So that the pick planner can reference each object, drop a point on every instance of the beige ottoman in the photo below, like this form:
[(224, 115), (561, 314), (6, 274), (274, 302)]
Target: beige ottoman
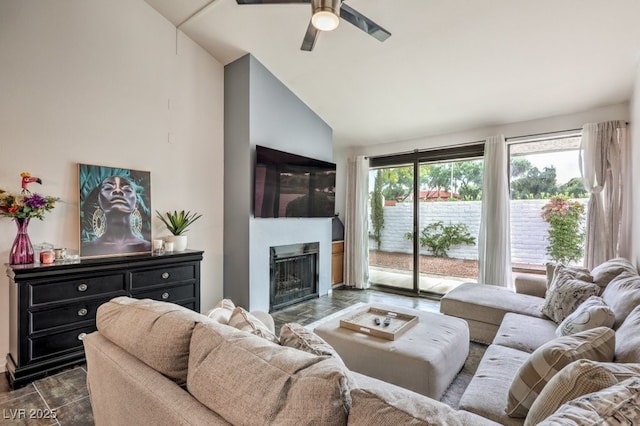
[(425, 359)]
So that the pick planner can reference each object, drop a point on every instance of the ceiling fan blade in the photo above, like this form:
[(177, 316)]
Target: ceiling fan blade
[(309, 38), (271, 1), (354, 17)]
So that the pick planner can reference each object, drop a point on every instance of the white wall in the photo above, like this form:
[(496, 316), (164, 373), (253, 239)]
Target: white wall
[(91, 82), (545, 125), (529, 232)]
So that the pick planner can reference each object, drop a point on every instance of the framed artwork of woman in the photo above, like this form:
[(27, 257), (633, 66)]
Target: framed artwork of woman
[(115, 211)]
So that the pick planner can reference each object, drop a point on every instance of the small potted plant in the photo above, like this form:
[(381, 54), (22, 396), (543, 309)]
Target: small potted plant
[(177, 223)]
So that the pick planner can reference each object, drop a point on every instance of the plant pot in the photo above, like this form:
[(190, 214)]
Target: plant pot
[(179, 242)]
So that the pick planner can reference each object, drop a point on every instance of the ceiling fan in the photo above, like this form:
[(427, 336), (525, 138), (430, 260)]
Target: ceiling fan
[(325, 16)]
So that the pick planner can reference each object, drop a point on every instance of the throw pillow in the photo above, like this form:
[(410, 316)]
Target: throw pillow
[(243, 320), (226, 304), (575, 380), (567, 293), (622, 295), (296, 336), (607, 271), (220, 315), (596, 344), (592, 313), (615, 405), (628, 338)]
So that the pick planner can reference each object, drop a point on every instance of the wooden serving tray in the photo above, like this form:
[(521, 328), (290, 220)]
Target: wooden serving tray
[(364, 322)]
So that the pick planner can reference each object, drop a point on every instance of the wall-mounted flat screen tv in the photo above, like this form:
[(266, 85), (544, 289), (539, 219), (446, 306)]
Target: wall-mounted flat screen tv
[(290, 185)]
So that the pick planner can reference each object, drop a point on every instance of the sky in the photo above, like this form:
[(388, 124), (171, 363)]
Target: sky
[(566, 163)]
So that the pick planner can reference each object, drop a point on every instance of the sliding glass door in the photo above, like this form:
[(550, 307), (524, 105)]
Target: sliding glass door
[(424, 216), (391, 218)]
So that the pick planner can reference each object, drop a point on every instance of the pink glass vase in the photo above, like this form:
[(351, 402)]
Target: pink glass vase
[(22, 251)]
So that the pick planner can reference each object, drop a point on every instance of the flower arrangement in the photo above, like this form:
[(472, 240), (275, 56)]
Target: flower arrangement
[(25, 204), (566, 236)]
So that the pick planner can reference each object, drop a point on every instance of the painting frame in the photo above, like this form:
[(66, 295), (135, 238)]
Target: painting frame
[(114, 211)]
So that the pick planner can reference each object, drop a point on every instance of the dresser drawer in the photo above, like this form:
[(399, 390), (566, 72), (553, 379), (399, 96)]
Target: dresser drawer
[(170, 294), (81, 287), (54, 344), (66, 315), (160, 276)]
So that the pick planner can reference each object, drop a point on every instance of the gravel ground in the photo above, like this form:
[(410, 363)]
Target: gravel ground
[(428, 264)]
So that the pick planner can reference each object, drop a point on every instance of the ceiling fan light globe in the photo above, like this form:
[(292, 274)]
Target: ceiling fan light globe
[(325, 20)]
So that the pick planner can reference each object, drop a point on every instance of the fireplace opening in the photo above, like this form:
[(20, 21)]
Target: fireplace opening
[(294, 274)]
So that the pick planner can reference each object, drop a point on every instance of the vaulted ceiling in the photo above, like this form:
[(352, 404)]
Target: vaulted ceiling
[(450, 65)]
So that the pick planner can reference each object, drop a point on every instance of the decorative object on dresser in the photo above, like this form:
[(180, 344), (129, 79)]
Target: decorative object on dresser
[(115, 211), (178, 224), (53, 306), (21, 208)]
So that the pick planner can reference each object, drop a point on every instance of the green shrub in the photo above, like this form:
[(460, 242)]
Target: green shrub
[(566, 236), (377, 211), (439, 238)]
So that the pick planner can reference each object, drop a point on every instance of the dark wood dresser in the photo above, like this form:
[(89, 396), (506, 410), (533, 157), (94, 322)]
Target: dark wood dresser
[(53, 306)]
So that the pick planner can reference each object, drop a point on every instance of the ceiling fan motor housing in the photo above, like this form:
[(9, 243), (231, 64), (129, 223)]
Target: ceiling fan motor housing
[(325, 7)]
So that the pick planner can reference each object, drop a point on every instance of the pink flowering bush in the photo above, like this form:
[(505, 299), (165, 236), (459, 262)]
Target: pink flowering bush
[(566, 235)]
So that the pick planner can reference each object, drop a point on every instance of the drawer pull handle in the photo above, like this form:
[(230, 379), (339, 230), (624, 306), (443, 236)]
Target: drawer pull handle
[(165, 296), (82, 312), (165, 275), (81, 336), (83, 287)]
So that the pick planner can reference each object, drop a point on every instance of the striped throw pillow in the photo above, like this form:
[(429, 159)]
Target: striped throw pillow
[(575, 380), (615, 405), (597, 344), (243, 320)]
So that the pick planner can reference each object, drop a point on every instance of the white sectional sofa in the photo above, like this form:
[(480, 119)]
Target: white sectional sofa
[(520, 332)]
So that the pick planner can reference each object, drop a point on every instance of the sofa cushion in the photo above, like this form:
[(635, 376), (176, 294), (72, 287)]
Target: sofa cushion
[(622, 295), (615, 405), (607, 271), (524, 333), (628, 338), (249, 380), (592, 313), (567, 293), (296, 336), (161, 335), (243, 320), (488, 303), (380, 403), (575, 380), (596, 344), (488, 390)]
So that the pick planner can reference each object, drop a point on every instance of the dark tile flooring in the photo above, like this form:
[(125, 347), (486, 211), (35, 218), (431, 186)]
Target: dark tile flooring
[(62, 399)]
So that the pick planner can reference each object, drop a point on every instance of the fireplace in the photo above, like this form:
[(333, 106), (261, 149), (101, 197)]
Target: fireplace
[(294, 274)]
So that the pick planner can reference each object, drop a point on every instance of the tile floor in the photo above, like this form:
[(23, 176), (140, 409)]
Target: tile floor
[(64, 395)]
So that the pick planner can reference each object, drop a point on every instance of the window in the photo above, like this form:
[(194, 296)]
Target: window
[(543, 170)]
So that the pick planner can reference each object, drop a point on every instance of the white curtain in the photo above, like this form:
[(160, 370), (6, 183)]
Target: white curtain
[(605, 168), (356, 224), (494, 240)]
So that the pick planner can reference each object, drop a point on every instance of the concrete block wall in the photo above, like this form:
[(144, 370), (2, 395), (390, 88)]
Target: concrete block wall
[(528, 229)]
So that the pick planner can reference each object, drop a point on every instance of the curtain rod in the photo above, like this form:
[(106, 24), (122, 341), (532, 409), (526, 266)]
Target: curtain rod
[(523, 137)]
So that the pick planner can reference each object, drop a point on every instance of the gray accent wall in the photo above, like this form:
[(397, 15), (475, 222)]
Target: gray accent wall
[(260, 110)]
